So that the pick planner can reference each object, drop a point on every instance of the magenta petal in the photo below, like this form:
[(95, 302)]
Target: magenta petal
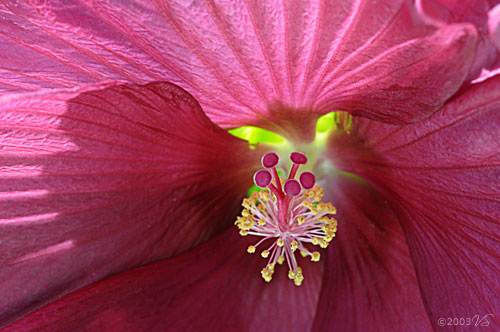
[(442, 178), (476, 12), (455, 11), (246, 63), (100, 179), (214, 287), (494, 25), (369, 281)]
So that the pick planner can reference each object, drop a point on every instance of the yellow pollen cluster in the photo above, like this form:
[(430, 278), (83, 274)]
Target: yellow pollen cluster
[(316, 193), (244, 224), (267, 272), (315, 256), (320, 242), (314, 219), (330, 229), (297, 277), (281, 260), (326, 207)]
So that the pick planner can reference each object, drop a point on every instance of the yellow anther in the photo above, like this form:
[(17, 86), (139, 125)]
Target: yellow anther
[(329, 238), (245, 213), (331, 209), (324, 244), (262, 222), (327, 207), (329, 232), (315, 256), (265, 253), (315, 240), (264, 196), (243, 232), (247, 203), (307, 204), (320, 207), (298, 278), (280, 243), (303, 253), (332, 222), (324, 219), (267, 272), (244, 223), (251, 249), (261, 208), (316, 193), (310, 206), (281, 259), (301, 220), (294, 245), (291, 274)]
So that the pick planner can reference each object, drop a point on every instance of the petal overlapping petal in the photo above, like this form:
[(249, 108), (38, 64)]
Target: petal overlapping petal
[(472, 11), (369, 281), (214, 287), (100, 179), (453, 11), (246, 62), (442, 178)]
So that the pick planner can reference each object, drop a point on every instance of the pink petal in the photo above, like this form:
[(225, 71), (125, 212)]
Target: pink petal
[(454, 11), (494, 25), (214, 287), (470, 11), (442, 178), (369, 282), (246, 63), (101, 179)]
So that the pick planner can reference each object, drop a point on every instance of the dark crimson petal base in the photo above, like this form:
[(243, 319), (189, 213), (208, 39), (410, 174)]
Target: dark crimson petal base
[(97, 180), (442, 178), (369, 281), (214, 287)]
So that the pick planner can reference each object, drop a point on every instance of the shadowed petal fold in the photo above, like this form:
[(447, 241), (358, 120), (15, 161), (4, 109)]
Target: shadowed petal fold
[(104, 178), (442, 177), (369, 281), (214, 287), (246, 62)]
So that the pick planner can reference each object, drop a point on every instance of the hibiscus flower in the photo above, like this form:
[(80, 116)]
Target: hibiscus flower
[(118, 198)]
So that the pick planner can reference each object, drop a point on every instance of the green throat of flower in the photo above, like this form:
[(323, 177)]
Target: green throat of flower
[(325, 125)]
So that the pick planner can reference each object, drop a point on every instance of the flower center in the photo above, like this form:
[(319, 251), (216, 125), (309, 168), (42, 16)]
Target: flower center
[(289, 213)]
